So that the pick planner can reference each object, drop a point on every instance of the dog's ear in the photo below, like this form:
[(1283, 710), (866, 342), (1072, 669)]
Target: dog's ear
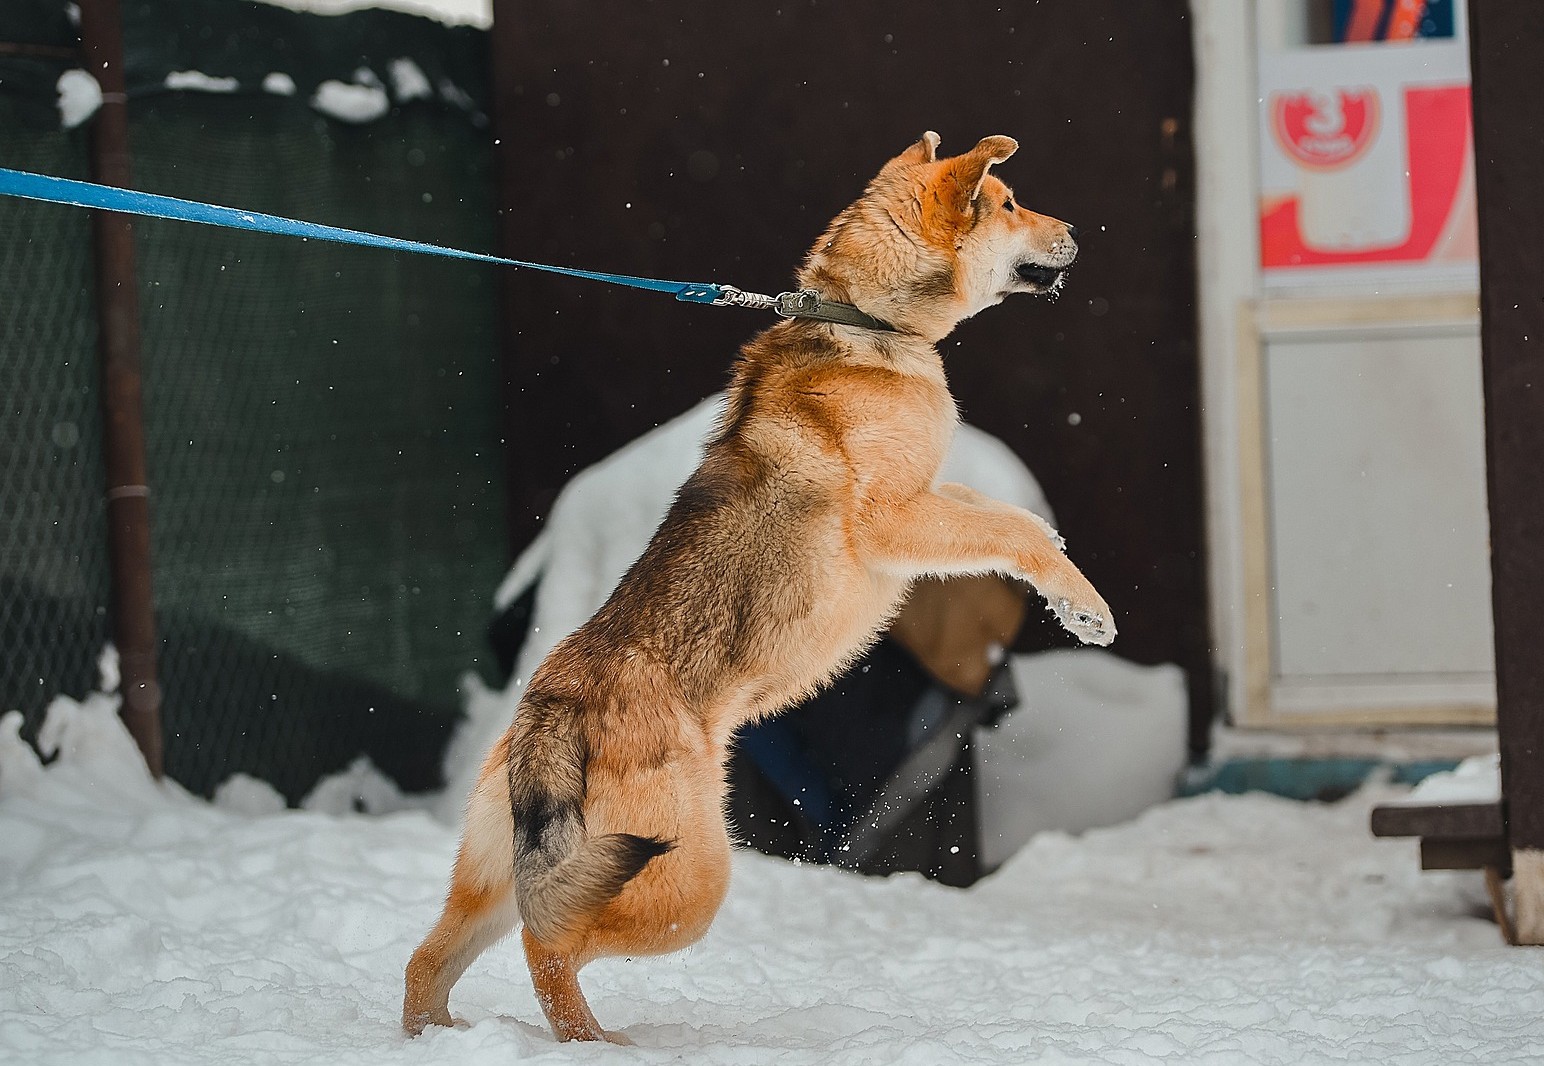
[(969, 170), (924, 151)]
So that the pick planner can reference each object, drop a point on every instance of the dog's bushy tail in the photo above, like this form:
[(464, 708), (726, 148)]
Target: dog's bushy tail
[(563, 876)]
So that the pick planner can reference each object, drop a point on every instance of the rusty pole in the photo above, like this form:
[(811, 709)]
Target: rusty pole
[(123, 432)]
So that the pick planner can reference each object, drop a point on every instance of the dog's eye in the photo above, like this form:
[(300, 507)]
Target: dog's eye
[(1008, 205)]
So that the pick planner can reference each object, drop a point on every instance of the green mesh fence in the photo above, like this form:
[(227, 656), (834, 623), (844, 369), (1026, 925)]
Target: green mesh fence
[(322, 437), (53, 554)]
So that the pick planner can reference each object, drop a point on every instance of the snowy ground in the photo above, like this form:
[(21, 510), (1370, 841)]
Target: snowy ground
[(139, 925)]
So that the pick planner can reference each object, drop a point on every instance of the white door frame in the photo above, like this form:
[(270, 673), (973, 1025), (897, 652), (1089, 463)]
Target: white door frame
[(1232, 313)]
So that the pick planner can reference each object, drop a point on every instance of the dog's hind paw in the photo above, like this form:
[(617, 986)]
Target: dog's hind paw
[(590, 1032), (415, 1022)]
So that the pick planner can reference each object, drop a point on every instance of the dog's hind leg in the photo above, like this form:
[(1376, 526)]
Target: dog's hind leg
[(479, 908), (556, 979)]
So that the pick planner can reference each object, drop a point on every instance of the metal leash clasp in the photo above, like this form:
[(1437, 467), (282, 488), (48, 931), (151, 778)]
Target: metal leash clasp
[(729, 296), (795, 304)]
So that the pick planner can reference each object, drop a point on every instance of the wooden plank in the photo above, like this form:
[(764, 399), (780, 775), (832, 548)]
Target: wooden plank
[(1453, 821), (1497, 893), (1465, 854), (1283, 317), (1507, 39)]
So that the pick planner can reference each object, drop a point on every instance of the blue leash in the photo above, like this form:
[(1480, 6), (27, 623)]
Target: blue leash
[(30, 186), (806, 303)]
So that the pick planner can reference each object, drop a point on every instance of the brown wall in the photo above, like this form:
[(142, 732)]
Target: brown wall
[(713, 142)]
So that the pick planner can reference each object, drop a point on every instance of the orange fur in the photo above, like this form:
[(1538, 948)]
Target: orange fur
[(600, 812)]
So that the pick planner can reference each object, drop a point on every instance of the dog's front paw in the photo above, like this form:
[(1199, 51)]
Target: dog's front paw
[(1090, 623)]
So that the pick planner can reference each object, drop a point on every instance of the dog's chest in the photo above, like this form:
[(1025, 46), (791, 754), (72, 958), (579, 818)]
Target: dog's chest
[(899, 453)]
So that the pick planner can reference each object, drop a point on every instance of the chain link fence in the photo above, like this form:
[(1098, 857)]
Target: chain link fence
[(322, 433), (53, 548)]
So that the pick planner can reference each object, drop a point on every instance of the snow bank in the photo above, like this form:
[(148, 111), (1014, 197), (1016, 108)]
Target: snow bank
[(140, 925)]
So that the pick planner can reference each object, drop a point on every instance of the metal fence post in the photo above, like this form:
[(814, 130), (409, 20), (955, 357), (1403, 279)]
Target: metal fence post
[(123, 437)]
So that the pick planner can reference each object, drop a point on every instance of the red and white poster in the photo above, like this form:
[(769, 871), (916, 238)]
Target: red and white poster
[(1367, 166)]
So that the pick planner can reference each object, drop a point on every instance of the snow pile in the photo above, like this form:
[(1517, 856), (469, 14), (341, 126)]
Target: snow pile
[(199, 82), (360, 788), (360, 96), (79, 97), (408, 81), (1475, 780), (351, 102), (450, 12), (143, 926), (1096, 741), (278, 83)]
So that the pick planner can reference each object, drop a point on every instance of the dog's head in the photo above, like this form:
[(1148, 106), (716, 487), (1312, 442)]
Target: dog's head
[(932, 241)]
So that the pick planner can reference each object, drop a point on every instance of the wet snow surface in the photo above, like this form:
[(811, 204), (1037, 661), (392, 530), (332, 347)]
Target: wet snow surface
[(139, 925)]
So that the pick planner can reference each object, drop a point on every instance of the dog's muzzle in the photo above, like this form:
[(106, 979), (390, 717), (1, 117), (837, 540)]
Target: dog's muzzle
[(1035, 274)]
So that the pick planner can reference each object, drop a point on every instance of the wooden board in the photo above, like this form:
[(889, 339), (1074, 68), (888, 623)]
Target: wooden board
[(1506, 41), (1466, 854), (1442, 821)]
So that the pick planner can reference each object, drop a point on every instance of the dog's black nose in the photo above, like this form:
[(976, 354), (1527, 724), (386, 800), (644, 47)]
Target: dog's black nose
[(1072, 231)]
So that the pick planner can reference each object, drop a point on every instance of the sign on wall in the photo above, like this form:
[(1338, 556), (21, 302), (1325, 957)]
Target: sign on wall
[(1366, 166)]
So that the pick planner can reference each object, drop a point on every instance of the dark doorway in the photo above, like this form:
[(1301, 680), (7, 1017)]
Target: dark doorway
[(712, 143)]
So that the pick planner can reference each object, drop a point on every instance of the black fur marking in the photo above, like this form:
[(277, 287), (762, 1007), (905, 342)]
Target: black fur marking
[(550, 796), (534, 814), (636, 852), (741, 400), (703, 493), (940, 283)]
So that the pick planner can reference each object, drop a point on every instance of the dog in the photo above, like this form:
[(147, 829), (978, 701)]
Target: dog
[(598, 817)]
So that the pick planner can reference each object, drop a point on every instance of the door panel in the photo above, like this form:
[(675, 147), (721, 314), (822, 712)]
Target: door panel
[(1377, 499)]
